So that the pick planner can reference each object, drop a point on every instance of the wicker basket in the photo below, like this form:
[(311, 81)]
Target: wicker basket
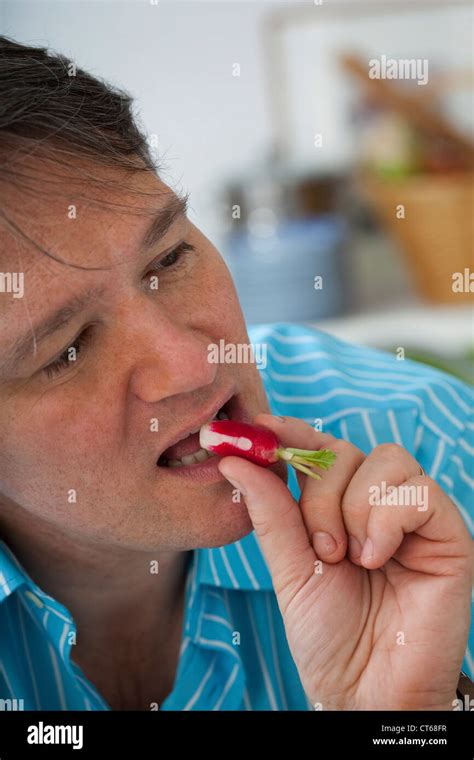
[(436, 235)]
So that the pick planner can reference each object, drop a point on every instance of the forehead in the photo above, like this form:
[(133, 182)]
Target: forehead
[(77, 213)]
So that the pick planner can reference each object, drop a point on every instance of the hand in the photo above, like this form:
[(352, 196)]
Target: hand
[(375, 599)]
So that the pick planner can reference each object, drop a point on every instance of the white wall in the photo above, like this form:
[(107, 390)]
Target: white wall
[(176, 59)]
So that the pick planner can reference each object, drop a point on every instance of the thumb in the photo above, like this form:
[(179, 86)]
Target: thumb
[(278, 523)]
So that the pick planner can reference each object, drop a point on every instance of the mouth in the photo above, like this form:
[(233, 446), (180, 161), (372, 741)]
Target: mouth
[(186, 451)]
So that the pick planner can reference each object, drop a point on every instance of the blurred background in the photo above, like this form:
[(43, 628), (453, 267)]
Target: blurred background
[(339, 193)]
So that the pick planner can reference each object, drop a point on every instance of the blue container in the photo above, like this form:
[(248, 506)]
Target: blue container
[(275, 275)]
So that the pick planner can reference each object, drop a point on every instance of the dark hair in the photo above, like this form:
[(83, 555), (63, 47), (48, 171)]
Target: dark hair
[(45, 97), (54, 111)]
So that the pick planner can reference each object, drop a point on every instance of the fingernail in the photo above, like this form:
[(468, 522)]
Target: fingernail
[(368, 550), (323, 543), (355, 549)]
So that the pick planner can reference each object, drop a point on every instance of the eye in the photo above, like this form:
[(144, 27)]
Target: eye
[(174, 259), (68, 356)]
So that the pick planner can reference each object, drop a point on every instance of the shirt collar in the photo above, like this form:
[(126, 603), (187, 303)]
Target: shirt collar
[(212, 574), (238, 566), (12, 574)]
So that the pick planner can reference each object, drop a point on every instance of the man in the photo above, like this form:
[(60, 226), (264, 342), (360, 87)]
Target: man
[(132, 579)]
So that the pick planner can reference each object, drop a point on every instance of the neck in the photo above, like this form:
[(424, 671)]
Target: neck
[(128, 617), (113, 594)]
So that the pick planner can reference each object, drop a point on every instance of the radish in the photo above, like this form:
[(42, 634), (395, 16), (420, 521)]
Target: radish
[(259, 445)]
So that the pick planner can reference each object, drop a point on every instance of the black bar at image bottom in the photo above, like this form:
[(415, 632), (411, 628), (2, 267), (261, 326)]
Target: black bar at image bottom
[(60, 734)]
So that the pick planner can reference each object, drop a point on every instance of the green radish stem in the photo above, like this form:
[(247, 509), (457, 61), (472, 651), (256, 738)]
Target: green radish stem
[(302, 459), (306, 470)]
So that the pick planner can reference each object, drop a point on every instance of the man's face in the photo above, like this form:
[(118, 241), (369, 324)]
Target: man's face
[(79, 442)]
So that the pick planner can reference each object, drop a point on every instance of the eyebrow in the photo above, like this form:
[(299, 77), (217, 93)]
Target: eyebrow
[(163, 220), (28, 342)]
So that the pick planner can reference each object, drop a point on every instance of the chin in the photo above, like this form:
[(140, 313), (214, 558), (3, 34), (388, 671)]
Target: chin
[(216, 528), (228, 522)]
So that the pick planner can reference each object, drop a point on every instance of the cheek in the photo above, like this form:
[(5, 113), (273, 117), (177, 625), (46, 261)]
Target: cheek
[(222, 303), (52, 441)]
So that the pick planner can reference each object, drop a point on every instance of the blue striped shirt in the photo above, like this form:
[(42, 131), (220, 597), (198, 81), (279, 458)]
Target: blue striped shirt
[(234, 653)]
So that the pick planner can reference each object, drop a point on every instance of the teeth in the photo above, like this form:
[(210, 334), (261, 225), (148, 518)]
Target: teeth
[(219, 416), (188, 459), (197, 456), (200, 455)]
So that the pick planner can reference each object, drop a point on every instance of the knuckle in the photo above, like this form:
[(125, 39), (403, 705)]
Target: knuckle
[(467, 543), (435, 490), (264, 526), (342, 447), (352, 507), (324, 502), (389, 451)]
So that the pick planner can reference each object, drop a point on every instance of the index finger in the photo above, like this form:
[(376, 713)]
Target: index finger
[(295, 432), (320, 500)]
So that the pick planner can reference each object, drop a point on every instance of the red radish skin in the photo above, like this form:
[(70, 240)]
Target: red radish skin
[(228, 438), (260, 446)]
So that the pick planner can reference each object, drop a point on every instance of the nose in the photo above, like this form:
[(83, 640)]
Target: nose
[(172, 359)]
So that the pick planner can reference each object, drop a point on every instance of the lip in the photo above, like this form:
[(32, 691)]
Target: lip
[(205, 416), (206, 472)]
